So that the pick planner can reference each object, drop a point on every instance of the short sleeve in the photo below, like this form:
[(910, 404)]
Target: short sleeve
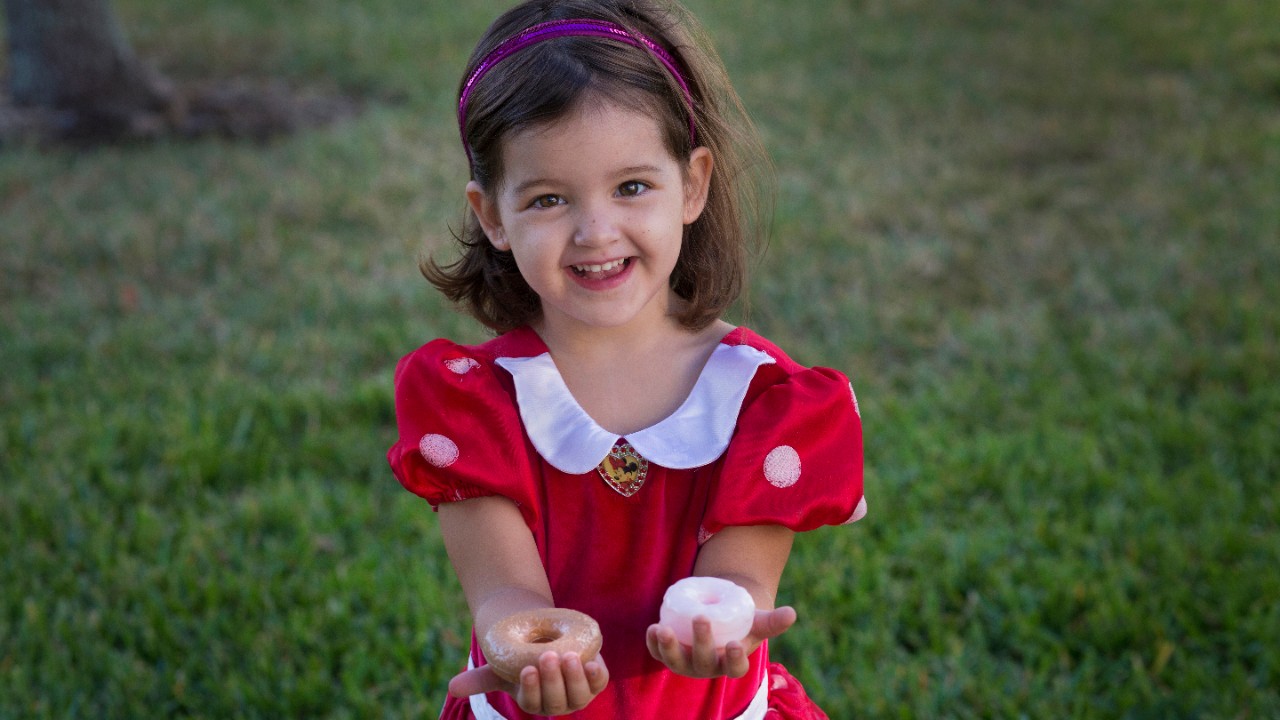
[(795, 459), (460, 435)]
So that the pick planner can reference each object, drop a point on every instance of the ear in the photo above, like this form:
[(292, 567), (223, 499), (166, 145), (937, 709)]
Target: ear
[(486, 212), (697, 183)]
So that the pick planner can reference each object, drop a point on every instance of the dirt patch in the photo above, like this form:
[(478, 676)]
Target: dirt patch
[(238, 108)]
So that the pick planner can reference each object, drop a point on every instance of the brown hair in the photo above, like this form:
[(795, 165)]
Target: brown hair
[(547, 81)]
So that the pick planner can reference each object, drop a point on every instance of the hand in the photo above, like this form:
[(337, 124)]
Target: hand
[(557, 685), (704, 659)]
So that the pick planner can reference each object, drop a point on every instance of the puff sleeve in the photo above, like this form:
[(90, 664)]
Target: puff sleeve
[(460, 435), (795, 458)]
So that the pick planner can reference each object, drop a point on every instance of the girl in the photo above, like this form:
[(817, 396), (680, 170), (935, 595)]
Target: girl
[(617, 435)]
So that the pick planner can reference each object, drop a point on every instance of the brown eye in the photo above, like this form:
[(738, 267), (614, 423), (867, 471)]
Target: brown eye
[(547, 201), (632, 188)]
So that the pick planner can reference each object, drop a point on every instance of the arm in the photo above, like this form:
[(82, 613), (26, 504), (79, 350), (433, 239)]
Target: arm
[(753, 557), (501, 573)]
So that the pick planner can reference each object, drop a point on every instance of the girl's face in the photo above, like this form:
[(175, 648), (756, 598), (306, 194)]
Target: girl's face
[(593, 208)]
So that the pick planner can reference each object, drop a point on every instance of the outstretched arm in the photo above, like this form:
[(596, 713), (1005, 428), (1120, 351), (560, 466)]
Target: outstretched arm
[(501, 573), (753, 557)]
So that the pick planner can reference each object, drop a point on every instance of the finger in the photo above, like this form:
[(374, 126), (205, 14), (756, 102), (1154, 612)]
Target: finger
[(651, 642), (529, 694), (476, 681), (668, 650), (735, 660), (554, 699), (577, 688), (597, 675), (704, 647)]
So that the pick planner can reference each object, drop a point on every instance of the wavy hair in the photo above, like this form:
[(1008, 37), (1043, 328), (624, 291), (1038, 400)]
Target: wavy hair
[(546, 82)]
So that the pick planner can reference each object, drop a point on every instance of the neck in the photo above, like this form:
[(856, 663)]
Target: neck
[(606, 344), (654, 369), (567, 338)]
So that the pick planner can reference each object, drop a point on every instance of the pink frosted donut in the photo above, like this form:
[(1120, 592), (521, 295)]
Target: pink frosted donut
[(518, 640), (729, 607)]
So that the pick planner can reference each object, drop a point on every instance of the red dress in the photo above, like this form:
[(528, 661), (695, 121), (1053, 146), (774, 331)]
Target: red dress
[(760, 440)]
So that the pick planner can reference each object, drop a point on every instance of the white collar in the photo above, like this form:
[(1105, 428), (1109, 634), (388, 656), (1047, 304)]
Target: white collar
[(694, 435)]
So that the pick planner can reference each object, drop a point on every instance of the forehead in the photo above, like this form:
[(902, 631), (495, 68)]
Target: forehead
[(593, 138)]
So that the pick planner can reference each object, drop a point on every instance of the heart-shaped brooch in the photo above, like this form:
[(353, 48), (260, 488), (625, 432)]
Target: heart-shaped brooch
[(624, 469)]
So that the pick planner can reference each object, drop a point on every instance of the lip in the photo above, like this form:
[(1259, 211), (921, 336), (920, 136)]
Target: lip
[(593, 279)]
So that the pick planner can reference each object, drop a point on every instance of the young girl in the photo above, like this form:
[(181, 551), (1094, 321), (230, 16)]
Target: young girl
[(617, 435)]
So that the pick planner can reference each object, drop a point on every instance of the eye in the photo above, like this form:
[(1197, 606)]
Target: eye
[(546, 201), (631, 188)]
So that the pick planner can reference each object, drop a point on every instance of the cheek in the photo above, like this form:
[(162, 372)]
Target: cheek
[(534, 259), (669, 230)]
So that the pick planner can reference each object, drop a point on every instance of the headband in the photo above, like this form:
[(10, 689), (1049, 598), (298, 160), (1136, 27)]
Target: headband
[(568, 28)]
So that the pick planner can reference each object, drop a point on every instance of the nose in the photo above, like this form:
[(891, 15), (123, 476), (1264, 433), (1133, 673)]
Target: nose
[(596, 225)]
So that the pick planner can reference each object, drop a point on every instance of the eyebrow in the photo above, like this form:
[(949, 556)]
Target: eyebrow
[(525, 186), (639, 169)]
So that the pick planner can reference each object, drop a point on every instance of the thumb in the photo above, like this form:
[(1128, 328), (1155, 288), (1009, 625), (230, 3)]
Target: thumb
[(769, 624), (476, 681)]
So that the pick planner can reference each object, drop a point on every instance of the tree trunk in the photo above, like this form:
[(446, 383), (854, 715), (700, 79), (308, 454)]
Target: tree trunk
[(71, 57)]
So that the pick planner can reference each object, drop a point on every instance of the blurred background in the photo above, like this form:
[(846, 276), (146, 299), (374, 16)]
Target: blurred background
[(1042, 237)]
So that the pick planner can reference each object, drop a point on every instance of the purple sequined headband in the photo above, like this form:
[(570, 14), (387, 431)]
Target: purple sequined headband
[(568, 28)]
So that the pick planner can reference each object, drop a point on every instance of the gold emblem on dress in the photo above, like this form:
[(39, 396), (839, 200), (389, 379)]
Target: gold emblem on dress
[(624, 469)]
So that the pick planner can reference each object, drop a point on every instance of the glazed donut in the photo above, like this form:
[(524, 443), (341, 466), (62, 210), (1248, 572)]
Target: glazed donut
[(728, 606), (519, 639)]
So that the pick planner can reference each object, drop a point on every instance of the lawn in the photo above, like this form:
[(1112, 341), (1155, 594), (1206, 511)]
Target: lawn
[(1043, 238)]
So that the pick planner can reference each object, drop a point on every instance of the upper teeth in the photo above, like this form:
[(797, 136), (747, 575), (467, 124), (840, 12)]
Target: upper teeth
[(599, 268)]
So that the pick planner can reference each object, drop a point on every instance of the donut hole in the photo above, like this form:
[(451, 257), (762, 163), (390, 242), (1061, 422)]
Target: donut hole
[(708, 598), (542, 637)]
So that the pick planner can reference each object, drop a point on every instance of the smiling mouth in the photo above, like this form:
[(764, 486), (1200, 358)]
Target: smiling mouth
[(600, 272)]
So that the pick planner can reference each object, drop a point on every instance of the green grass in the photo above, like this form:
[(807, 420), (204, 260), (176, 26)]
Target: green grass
[(1044, 238)]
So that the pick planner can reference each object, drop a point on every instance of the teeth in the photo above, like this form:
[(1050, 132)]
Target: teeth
[(599, 268)]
